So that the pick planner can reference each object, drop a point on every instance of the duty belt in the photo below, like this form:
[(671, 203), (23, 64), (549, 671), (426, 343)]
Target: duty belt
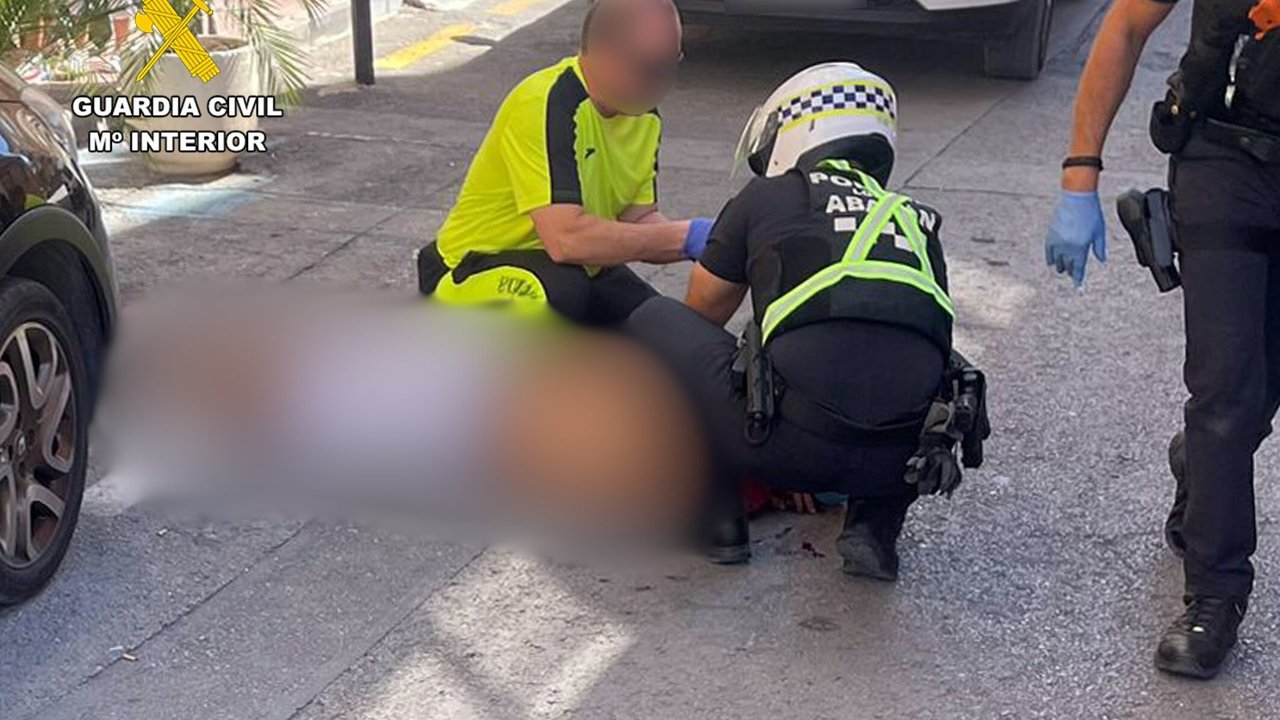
[(1260, 145)]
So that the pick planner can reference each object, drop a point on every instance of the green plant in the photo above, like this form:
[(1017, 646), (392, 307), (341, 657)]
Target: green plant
[(67, 27), (53, 27)]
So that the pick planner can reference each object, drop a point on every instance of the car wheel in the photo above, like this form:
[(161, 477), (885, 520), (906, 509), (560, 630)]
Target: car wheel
[(43, 436), (1022, 55)]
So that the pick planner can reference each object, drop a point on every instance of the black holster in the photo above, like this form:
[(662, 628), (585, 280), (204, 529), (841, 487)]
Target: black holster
[(1147, 218), (1171, 124), (754, 372), (968, 387)]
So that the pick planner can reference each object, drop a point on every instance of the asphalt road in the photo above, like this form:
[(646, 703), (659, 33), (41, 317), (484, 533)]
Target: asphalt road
[(1037, 592)]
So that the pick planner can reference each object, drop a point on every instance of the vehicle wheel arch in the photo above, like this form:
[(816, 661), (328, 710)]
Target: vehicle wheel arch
[(51, 246)]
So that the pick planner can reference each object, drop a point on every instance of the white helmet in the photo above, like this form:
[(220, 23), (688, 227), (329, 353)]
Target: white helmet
[(836, 108)]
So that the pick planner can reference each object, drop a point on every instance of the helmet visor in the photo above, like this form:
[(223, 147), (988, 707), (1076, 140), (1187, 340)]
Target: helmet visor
[(758, 134)]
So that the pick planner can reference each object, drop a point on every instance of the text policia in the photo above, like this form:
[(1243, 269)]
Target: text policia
[(143, 107)]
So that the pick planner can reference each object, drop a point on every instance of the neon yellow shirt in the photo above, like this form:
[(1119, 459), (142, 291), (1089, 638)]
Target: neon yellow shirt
[(549, 144)]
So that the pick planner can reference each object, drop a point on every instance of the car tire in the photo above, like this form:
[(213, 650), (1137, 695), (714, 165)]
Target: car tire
[(1022, 55), (43, 436)]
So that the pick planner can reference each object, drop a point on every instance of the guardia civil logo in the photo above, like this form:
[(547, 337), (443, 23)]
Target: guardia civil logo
[(159, 15)]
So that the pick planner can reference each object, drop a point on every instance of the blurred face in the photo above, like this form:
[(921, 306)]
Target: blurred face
[(632, 72)]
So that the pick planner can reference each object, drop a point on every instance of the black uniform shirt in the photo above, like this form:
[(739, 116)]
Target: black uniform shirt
[(870, 372), (1217, 28), (765, 213)]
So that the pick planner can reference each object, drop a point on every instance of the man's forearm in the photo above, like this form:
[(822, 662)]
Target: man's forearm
[(717, 310), (713, 298), (1106, 80), (591, 240), (646, 214)]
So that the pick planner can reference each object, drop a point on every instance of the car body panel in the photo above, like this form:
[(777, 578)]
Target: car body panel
[(946, 5), (11, 85), (45, 196), (49, 223), (948, 19), (830, 10)]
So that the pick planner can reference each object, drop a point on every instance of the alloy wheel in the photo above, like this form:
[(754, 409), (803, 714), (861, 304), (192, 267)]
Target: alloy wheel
[(38, 426)]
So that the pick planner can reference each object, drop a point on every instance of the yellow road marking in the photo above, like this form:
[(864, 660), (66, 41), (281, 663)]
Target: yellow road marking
[(410, 54), (512, 7)]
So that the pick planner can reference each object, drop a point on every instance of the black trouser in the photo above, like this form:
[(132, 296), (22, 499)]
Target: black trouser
[(1227, 219), (792, 458), (606, 298)]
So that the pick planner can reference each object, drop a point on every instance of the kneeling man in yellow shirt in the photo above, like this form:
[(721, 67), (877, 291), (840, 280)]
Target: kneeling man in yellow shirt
[(563, 190)]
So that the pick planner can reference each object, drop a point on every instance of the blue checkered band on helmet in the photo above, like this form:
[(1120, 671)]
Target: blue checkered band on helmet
[(847, 96)]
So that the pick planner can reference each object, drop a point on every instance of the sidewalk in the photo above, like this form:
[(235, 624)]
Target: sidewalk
[(338, 198), (1035, 593)]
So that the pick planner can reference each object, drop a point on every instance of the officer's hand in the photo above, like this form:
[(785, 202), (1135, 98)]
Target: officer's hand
[(1077, 227), (695, 241), (934, 469)]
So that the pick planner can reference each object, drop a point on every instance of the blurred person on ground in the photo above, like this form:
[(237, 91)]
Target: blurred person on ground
[(563, 190), (837, 386), (1220, 124), (246, 401)]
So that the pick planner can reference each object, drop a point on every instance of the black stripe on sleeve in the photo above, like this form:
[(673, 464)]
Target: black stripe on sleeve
[(562, 132), (655, 178), (656, 152)]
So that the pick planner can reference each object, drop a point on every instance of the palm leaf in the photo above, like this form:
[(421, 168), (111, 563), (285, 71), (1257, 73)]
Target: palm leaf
[(65, 25), (282, 61)]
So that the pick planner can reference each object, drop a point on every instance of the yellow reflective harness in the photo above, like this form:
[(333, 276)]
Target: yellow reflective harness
[(854, 263)]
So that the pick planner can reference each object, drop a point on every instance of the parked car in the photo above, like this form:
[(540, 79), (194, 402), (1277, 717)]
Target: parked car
[(1014, 33), (57, 309)]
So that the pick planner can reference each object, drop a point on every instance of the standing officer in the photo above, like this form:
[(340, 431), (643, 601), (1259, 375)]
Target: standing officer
[(563, 190), (1223, 133), (851, 333)]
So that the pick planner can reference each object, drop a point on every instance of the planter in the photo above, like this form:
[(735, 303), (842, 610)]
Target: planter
[(237, 76), (121, 27), (34, 39)]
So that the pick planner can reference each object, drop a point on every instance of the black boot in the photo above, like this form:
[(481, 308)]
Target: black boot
[(1197, 643), (1178, 467), (869, 541), (725, 537), (729, 542)]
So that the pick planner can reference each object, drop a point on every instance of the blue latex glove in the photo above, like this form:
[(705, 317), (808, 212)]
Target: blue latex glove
[(695, 241), (1077, 226)]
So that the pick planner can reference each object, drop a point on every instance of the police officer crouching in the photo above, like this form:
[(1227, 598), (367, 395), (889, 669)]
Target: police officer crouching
[(845, 380), (1220, 122)]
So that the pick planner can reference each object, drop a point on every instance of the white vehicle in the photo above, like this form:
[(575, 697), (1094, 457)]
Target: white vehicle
[(1014, 33)]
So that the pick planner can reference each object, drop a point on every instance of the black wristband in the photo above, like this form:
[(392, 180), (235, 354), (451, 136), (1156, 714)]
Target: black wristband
[(1092, 161)]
